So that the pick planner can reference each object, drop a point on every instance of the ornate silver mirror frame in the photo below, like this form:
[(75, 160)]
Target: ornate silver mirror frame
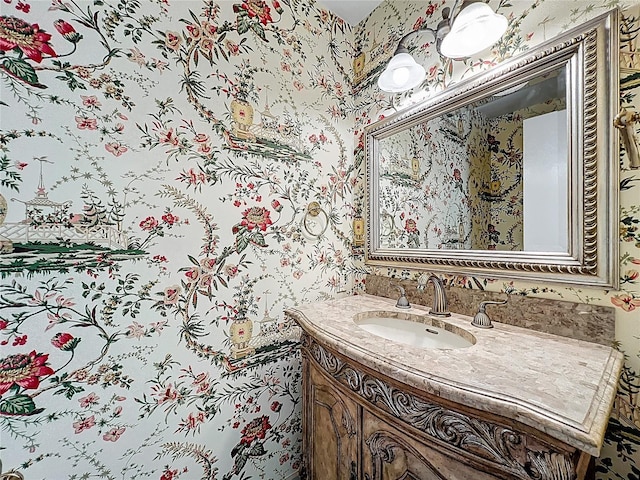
[(589, 55)]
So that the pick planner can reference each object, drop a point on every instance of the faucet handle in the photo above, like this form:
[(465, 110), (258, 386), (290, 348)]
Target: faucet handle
[(402, 301), (481, 319), (399, 287)]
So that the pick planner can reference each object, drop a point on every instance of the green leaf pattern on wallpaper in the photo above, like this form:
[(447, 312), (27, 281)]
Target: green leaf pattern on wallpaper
[(158, 160)]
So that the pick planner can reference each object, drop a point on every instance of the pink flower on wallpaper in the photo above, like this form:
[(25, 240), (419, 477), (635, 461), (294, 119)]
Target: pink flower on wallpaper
[(159, 65), (205, 148), (65, 341), (16, 34), (135, 330), (91, 399), (169, 474), (23, 370), (148, 224), (256, 429), (231, 270), (168, 137), (166, 394), (67, 31), (113, 434), (136, 56), (195, 32), (257, 8), (24, 7), (276, 205), (192, 177), (258, 217), (630, 276), (169, 218), (64, 302), (90, 101), (627, 302), (410, 226), (192, 274), (201, 138), (84, 424), (172, 40), (193, 421), (158, 326), (172, 294), (86, 123), (233, 47), (115, 148), (208, 263)]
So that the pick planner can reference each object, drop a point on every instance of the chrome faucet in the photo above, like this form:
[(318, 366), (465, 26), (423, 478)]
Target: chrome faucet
[(481, 319), (402, 301), (440, 307)]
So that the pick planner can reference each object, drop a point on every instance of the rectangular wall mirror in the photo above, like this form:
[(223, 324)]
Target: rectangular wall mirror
[(513, 173)]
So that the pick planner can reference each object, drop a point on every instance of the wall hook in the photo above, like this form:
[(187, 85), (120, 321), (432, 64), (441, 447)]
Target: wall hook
[(624, 121), (312, 218)]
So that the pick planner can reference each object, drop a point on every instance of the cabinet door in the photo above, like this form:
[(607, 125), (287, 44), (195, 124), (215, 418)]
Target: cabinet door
[(391, 454), (331, 430)]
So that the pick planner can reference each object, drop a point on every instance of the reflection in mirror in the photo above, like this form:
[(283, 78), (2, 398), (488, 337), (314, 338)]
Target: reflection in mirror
[(512, 173), (489, 175)]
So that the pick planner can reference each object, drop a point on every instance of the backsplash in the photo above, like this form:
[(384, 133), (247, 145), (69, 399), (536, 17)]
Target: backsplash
[(591, 323)]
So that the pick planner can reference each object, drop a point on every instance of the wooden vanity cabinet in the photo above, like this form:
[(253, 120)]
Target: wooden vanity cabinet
[(358, 425)]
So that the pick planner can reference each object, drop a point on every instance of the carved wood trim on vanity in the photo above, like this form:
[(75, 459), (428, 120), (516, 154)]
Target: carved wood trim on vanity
[(489, 443)]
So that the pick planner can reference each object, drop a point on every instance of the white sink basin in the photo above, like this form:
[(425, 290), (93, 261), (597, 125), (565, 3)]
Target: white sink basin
[(416, 330)]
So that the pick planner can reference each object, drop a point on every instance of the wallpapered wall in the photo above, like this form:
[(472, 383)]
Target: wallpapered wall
[(158, 158), (531, 23)]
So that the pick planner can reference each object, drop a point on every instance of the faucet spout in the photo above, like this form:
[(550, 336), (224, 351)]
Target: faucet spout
[(440, 307)]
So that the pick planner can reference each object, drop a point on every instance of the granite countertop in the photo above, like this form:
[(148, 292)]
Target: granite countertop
[(562, 386)]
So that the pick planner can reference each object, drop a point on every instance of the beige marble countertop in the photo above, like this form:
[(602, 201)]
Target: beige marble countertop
[(558, 385)]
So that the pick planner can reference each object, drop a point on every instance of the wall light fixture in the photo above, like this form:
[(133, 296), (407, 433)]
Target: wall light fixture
[(475, 27)]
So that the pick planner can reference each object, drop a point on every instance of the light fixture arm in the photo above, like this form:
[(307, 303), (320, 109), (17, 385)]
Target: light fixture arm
[(438, 33)]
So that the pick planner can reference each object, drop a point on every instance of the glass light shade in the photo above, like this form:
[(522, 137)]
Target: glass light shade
[(402, 74), (475, 28)]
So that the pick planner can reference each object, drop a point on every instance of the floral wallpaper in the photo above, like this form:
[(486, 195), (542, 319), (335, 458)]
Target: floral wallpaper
[(174, 174), (424, 184)]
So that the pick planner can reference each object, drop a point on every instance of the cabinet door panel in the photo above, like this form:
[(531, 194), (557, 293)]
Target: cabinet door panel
[(391, 454), (333, 440)]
